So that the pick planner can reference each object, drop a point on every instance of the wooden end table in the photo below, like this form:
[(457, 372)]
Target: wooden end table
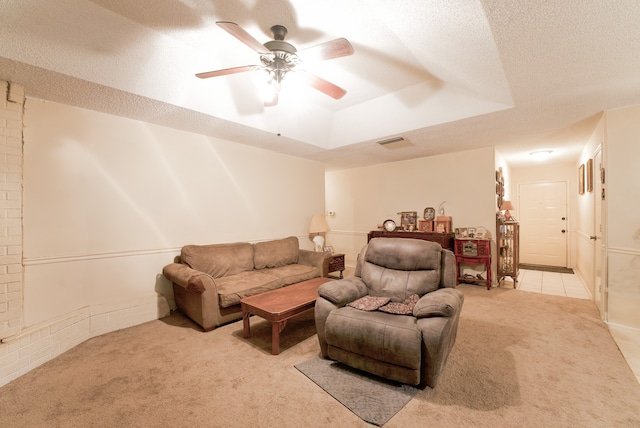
[(334, 263), (277, 306)]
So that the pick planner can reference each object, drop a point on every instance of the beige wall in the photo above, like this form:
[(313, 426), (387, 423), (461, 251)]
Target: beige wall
[(108, 201), (363, 198), (622, 186)]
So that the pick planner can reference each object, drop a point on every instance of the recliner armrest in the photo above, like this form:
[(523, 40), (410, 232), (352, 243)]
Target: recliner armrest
[(343, 291), (443, 302)]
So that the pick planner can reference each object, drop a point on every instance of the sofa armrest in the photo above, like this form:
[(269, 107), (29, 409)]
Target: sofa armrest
[(312, 258), (186, 277), (443, 302), (343, 291)]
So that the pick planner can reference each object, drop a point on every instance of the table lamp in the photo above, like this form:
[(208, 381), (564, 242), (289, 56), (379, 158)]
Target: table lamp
[(506, 206), (318, 226)]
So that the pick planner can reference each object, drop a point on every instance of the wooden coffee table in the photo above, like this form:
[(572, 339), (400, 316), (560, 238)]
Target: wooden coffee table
[(277, 306)]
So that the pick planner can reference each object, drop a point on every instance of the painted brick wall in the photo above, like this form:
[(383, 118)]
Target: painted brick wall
[(11, 109), (23, 348)]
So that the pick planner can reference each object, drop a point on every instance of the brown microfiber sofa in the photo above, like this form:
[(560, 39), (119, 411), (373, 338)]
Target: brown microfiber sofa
[(209, 280)]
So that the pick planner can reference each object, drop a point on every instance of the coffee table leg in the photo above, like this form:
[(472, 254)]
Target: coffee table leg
[(276, 329), (246, 327), (275, 338)]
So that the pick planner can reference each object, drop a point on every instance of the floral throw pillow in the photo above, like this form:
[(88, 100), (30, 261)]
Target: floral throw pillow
[(369, 303), (404, 308)]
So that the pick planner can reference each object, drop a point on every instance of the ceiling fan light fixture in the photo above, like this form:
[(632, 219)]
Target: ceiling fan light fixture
[(267, 83)]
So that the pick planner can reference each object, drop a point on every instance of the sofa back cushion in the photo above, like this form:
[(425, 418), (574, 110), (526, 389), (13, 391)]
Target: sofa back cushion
[(280, 252), (400, 267), (219, 260)]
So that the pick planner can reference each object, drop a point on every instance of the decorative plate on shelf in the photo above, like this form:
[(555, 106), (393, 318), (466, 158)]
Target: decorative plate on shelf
[(389, 225), (429, 213)]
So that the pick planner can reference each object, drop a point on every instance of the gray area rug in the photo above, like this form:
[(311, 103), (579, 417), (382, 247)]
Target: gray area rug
[(373, 399), (545, 268)]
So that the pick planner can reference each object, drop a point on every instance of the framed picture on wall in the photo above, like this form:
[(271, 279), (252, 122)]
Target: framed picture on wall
[(581, 179), (590, 175)]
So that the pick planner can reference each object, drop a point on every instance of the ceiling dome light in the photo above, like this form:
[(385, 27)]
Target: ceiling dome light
[(541, 154)]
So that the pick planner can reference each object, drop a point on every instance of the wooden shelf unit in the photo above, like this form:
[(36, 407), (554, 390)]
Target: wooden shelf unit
[(508, 249)]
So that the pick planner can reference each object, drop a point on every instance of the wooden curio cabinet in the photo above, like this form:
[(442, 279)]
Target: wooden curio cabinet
[(508, 249)]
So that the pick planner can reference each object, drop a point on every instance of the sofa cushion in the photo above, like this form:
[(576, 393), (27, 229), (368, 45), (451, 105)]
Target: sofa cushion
[(399, 267), (291, 274), (232, 288), (403, 254), (219, 260), (398, 284), (393, 339), (276, 253)]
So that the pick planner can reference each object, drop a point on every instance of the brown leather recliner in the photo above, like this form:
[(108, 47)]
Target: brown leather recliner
[(409, 348)]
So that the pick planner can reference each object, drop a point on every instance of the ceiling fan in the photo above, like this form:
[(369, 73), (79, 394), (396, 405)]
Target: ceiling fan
[(278, 58)]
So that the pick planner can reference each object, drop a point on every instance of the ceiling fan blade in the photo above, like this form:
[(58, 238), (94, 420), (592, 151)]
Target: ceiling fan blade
[(322, 85), (329, 50), (225, 71), (239, 33)]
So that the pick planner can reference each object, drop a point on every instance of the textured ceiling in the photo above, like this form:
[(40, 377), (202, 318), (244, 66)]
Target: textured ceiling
[(446, 75)]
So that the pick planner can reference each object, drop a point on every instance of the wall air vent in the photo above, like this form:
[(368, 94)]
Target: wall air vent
[(395, 143)]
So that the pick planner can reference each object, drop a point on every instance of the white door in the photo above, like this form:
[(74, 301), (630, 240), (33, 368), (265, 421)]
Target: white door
[(542, 214)]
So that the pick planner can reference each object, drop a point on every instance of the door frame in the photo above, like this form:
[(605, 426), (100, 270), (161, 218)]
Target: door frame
[(599, 247)]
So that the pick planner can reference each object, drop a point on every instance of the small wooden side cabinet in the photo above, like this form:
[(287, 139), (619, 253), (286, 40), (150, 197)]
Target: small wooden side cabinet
[(473, 252), (508, 239), (333, 263)]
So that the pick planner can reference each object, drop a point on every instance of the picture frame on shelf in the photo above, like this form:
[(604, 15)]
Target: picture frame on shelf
[(461, 232), (471, 232)]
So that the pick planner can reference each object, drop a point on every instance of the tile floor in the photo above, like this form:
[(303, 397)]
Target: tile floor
[(570, 285)]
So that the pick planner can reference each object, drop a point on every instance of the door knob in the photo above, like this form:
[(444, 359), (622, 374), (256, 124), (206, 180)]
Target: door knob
[(564, 231), (593, 238), (564, 218)]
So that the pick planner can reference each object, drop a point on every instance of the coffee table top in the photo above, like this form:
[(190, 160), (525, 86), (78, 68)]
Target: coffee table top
[(286, 298)]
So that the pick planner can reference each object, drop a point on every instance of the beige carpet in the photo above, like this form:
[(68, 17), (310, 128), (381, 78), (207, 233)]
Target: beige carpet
[(521, 359)]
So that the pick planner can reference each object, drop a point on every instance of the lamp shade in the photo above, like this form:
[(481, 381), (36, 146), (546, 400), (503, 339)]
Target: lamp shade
[(318, 224), (507, 205)]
